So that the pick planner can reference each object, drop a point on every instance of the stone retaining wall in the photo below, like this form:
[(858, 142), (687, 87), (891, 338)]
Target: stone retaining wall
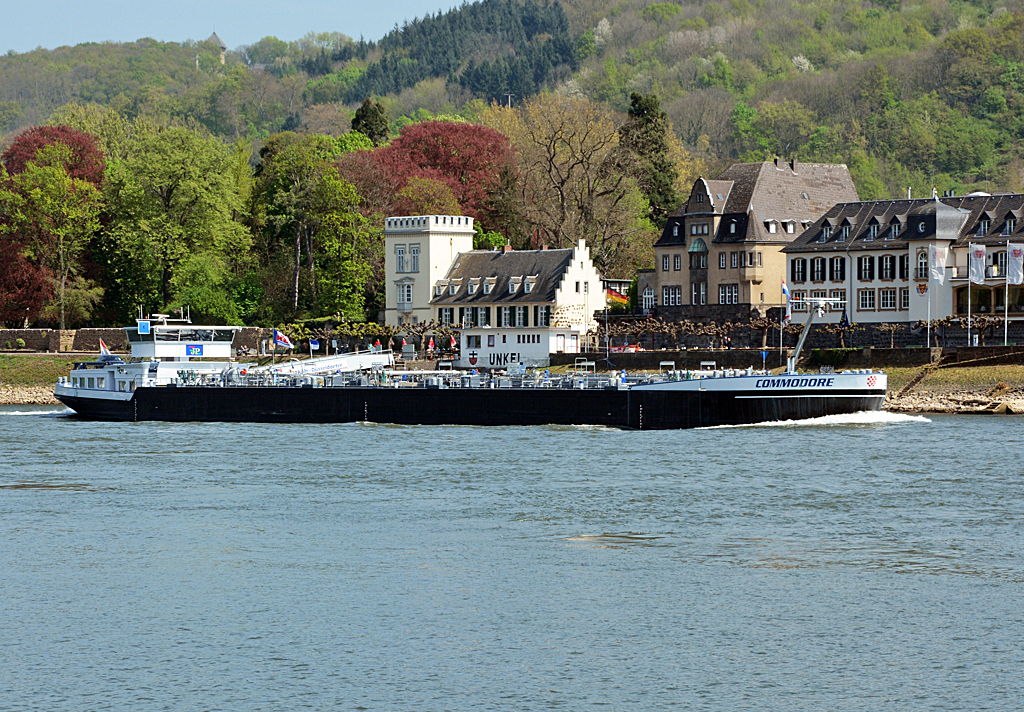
[(860, 336), (651, 360), (88, 340), (840, 358), (35, 339)]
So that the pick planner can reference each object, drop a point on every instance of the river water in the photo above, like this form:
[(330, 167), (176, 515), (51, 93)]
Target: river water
[(856, 563)]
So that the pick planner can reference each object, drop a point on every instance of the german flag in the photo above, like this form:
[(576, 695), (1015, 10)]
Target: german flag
[(616, 298)]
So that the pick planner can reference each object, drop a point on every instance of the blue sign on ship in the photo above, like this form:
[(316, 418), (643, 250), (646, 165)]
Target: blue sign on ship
[(194, 350)]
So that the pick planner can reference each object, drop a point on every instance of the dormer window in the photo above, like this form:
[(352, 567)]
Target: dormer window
[(983, 226), (512, 286), (1009, 226), (675, 231), (771, 226), (471, 287), (872, 232), (844, 233), (894, 231), (790, 227), (732, 227), (826, 232), (438, 289), (528, 285), (453, 288), (488, 284)]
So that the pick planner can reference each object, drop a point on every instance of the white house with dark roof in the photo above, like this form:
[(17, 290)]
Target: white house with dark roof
[(519, 306)]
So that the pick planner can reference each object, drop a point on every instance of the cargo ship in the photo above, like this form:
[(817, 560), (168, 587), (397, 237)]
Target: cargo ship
[(165, 380)]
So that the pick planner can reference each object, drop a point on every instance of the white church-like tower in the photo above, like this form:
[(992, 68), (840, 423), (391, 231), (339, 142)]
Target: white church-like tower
[(418, 251)]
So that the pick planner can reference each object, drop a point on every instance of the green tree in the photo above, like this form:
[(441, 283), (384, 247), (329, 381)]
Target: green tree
[(308, 201), (371, 121), (785, 126), (201, 282), (173, 197), (645, 136), (426, 196)]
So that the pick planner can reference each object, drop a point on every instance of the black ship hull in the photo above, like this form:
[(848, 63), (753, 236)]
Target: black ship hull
[(635, 408)]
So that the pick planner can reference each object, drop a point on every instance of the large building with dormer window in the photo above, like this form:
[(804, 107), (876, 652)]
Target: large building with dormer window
[(720, 255), (874, 257)]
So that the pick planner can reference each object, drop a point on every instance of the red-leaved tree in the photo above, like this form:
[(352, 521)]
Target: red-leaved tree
[(86, 163), (468, 158), (27, 284), (25, 288)]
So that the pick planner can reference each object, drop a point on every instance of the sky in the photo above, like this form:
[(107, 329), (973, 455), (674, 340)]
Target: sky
[(28, 24)]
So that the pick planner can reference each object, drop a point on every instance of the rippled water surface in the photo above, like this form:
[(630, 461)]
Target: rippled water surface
[(860, 563)]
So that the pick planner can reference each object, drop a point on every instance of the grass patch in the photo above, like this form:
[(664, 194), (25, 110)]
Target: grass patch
[(972, 378), (18, 370), (900, 376)]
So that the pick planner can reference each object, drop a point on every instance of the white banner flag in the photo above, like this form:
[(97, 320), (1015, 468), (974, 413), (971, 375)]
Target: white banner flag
[(1015, 263), (977, 263), (938, 262)]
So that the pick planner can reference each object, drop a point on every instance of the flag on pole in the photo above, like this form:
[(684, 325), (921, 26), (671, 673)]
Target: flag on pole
[(453, 342), (1015, 263), (430, 346), (104, 351), (938, 263), (282, 340), (403, 341), (977, 263), (314, 344), (789, 308), (844, 321), (616, 297)]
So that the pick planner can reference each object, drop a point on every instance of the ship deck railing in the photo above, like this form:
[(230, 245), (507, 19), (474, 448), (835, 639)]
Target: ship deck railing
[(380, 378)]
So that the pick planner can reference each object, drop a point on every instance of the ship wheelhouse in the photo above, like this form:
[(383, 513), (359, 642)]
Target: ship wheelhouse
[(180, 342)]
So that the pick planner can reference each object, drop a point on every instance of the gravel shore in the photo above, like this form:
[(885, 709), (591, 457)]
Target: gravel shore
[(957, 401), (27, 395)]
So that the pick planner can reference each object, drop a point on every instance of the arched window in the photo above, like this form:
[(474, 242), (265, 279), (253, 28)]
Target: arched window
[(922, 264)]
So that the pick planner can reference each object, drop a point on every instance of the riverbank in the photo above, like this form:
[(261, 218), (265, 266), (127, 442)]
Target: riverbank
[(956, 389), (27, 395), (27, 379)]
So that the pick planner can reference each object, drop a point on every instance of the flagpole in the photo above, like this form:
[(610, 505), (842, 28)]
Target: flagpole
[(1006, 299), (928, 287), (781, 317), (970, 250)]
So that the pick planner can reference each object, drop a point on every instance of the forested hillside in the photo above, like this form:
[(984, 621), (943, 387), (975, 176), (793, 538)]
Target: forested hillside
[(251, 184), (922, 95)]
